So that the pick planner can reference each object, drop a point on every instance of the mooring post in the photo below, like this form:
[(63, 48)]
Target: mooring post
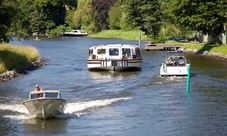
[(140, 41), (188, 78)]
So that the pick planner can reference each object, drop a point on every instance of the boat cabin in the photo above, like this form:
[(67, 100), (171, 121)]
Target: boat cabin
[(176, 58), (114, 52)]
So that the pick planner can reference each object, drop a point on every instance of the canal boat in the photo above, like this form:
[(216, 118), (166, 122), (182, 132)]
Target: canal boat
[(175, 64), (114, 57), (75, 33), (45, 104)]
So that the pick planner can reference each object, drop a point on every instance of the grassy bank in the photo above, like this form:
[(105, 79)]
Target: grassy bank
[(218, 48), (12, 56), (126, 35)]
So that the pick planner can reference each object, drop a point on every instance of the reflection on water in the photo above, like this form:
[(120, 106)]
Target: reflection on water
[(111, 75), (45, 127)]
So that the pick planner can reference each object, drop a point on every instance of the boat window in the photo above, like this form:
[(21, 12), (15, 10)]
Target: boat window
[(126, 52), (114, 52), (75, 31), (52, 95), (34, 96), (138, 52), (101, 51), (90, 52)]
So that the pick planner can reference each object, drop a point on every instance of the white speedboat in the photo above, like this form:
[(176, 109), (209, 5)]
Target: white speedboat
[(175, 64), (45, 104), (114, 57), (75, 33)]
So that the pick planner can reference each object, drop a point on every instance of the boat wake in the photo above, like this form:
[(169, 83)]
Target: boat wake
[(19, 112)]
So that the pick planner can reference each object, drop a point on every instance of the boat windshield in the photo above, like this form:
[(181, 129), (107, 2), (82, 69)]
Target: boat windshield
[(45, 94)]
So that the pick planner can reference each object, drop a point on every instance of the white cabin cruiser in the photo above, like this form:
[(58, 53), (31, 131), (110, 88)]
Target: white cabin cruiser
[(75, 33), (45, 104), (114, 57), (175, 64)]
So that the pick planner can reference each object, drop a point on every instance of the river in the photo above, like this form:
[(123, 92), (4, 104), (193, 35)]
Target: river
[(136, 103)]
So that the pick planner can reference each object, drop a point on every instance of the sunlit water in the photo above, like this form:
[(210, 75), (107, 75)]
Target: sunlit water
[(116, 103)]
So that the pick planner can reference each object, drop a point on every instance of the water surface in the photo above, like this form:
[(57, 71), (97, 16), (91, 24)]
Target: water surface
[(116, 103)]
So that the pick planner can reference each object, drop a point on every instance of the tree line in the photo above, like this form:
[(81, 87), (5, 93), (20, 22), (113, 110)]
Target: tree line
[(158, 19)]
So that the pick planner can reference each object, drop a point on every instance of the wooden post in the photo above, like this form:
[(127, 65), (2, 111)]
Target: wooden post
[(140, 41)]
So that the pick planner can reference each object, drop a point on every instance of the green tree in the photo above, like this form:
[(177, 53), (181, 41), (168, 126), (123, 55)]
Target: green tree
[(145, 15), (7, 13), (82, 16), (100, 9), (115, 16), (205, 16)]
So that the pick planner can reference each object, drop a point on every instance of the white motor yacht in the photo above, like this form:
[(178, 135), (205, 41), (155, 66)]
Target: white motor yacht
[(114, 57), (75, 33), (175, 64)]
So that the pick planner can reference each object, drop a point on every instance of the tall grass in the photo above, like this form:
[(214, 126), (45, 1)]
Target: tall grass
[(12, 56), (126, 35)]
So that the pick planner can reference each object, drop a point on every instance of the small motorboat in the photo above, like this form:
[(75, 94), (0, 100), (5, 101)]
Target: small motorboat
[(175, 64), (75, 33), (45, 104), (114, 57)]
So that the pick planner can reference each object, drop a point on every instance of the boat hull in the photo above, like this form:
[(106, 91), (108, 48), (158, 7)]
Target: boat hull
[(114, 65), (74, 35), (45, 107), (173, 70)]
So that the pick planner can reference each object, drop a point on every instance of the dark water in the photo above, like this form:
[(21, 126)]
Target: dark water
[(117, 103)]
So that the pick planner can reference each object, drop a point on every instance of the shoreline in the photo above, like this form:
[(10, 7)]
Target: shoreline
[(22, 69), (218, 55)]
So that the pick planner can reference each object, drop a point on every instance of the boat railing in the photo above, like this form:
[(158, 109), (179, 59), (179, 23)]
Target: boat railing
[(44, 94)]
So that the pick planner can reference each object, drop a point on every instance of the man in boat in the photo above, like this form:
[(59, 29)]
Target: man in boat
[(170, 61), (37, 88), (181, 61)]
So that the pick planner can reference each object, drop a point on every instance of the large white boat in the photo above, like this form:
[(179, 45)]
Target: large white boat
[(114, 57), (75, 33), (175, 64), (45, 104)]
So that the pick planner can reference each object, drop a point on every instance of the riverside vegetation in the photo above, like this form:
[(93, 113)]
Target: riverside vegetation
[(15, 60)]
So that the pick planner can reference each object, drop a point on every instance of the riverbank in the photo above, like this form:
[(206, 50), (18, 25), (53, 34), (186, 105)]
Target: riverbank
[(219, 52), (16, 60), (22, 69)]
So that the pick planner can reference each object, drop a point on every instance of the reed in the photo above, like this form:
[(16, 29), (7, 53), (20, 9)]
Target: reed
[(15, 55), (126, 35)]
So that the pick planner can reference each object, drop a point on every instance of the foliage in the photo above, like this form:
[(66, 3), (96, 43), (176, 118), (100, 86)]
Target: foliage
[(100, 9), (37, 16), (206, 16), (157, 19), (68, 18), (12, 56), (82, 16), (7, 13), (115, 16), (146, 15)]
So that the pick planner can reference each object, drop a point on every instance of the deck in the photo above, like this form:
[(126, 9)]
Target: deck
[(164, 47)]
